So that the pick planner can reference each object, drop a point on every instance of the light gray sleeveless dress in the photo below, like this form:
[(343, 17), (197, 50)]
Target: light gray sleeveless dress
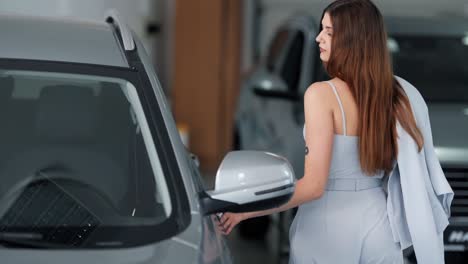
[(349, 223)]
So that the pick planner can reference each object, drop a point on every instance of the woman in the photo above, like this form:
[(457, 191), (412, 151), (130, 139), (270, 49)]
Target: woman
[(351, 144)]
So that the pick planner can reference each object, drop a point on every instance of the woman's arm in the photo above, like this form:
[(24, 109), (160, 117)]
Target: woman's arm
[(319, 142)]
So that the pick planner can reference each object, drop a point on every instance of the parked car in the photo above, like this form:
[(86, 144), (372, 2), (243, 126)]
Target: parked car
[(92, 166), (431, 53)]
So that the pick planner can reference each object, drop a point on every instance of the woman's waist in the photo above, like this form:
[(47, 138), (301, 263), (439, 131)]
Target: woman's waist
[(350, 199), (351, 172), (353, 183)]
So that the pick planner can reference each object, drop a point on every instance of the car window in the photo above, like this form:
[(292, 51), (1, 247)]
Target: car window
[(292, 67), (76, 152), (433, 64), (275, 49)]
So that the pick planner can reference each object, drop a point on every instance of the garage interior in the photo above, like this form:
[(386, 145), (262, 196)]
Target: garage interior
[(202, 52)]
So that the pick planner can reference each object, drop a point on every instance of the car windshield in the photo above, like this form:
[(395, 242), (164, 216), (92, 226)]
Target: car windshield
[(76, 155), (436, 65)]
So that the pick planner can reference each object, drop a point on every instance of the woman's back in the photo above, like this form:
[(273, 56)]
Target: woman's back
[(351, 215), (345, 161), (343, 103)]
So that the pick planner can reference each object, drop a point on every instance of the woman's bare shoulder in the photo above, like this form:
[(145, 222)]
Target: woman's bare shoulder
[(317, 91), (318, 96)]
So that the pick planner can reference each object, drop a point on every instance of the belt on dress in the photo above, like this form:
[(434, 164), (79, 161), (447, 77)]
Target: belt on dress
[(353, 184)]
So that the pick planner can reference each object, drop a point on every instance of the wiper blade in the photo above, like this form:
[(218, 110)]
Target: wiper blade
[(23, 240)]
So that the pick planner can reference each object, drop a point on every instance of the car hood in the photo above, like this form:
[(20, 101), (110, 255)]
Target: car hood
[(449, 123)]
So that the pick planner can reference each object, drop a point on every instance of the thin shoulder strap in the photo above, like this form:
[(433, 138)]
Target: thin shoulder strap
[(341, 106)]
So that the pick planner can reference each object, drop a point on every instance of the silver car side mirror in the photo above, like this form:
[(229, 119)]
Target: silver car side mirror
[(250, 181), (267, 84)]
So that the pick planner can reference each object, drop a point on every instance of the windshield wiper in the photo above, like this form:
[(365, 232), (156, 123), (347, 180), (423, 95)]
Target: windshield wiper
[(23, 240)]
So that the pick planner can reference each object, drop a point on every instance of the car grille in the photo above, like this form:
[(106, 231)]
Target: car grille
[(458, 179)]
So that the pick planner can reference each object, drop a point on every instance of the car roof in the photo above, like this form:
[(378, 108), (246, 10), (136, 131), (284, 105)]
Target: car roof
[(302, 20), (440, 26), (60, 39)]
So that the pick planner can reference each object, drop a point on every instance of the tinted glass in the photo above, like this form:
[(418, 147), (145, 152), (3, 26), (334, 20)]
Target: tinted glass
[(291, 70), (77, 155), (437, 66), (274, 51)]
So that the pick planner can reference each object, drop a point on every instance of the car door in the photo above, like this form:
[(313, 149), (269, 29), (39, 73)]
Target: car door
[(213, 248)]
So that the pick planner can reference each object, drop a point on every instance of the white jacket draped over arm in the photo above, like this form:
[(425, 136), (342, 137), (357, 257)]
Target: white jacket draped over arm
[(419, 196)]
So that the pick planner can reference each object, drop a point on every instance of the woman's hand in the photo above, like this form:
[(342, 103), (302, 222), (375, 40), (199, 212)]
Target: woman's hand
[(228, 221)]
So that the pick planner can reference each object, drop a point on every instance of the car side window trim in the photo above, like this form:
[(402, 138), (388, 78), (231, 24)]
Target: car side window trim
[(180, 217)]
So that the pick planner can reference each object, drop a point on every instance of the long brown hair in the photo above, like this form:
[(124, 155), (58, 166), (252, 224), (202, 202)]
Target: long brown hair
[(360, 57)]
